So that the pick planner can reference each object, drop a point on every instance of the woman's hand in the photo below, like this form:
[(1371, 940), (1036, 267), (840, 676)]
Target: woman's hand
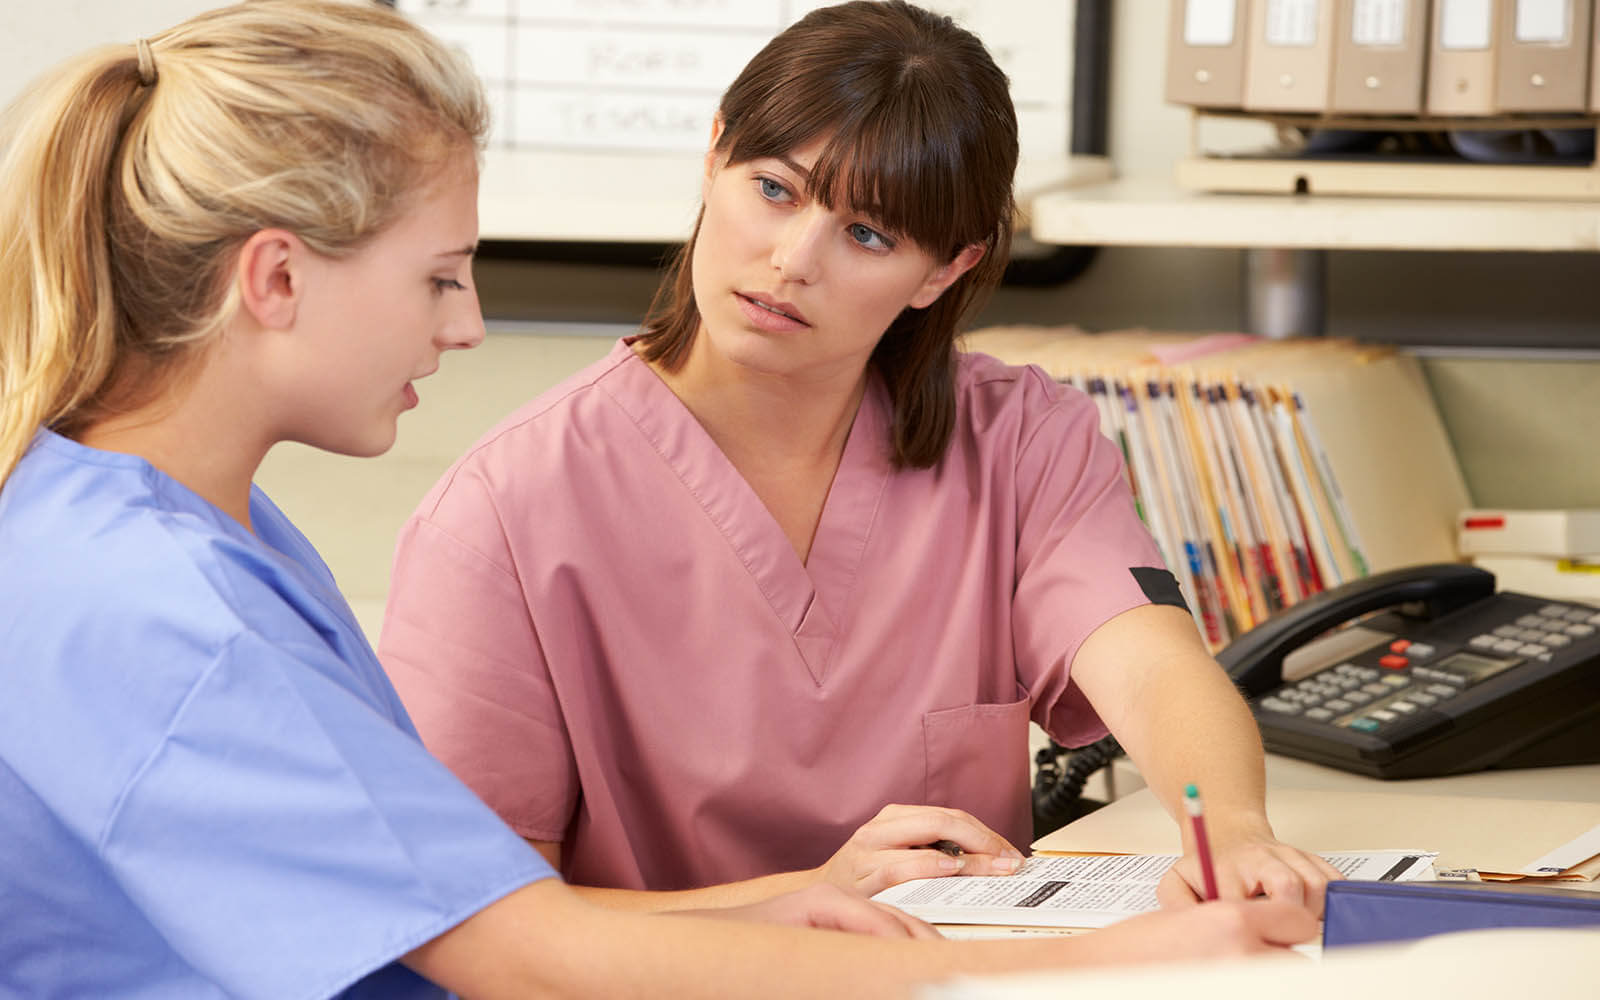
[(827, 907), (1211, 930), (1251, 863), (893, 847)]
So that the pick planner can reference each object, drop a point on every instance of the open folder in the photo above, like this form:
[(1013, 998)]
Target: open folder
[(1497, 838)]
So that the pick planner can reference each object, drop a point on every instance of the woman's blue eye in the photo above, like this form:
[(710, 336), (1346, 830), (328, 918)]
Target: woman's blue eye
[(772, 190), (869, 237)]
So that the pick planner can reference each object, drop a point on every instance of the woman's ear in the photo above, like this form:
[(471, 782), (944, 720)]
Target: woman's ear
[(718, 124), (713, 158), (945, 275), (270, 282)]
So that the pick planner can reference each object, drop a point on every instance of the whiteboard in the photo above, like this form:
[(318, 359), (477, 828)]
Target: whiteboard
[(602, 108)]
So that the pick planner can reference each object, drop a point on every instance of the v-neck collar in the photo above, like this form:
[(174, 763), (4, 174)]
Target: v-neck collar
[(812, 598)]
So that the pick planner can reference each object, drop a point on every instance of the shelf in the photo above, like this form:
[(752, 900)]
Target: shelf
[(1151, 211), (653, 197), (1291, 175)]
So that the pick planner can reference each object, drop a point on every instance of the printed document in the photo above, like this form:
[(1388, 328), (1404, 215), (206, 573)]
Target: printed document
[(1094, 890)]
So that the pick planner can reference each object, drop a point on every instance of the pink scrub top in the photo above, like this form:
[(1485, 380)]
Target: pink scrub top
[(595, 622)]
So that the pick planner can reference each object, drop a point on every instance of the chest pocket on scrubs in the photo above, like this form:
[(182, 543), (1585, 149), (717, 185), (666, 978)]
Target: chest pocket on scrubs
[(977, 760)]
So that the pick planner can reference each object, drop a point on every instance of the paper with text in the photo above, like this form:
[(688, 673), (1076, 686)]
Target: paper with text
[(1094, 890)]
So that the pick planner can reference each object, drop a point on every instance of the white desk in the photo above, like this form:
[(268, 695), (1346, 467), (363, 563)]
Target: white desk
[(1475, 965), (1478, 965), (1553, 784)]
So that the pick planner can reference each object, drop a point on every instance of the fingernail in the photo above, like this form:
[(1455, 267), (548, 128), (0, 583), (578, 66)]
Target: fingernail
[(1012, 852), (952, 864), (1007, 864)]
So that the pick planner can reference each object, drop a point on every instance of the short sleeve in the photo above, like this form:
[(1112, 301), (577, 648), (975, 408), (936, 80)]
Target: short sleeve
[(1078, 539), (287, 839), (460, 646)]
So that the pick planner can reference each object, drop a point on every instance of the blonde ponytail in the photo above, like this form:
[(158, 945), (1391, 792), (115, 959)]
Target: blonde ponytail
[(132, 174), (61, 140)]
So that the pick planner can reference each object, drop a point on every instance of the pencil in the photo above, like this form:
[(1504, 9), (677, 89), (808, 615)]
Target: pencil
[(1202, 846)]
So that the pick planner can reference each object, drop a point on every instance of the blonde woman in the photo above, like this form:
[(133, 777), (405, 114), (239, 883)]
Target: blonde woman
[(258, 227)]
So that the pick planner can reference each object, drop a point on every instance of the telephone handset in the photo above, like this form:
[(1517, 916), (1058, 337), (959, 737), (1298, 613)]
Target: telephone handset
[(1443, 676)]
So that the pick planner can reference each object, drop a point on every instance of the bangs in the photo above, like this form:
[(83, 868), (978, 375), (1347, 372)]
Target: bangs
[(897, 161)]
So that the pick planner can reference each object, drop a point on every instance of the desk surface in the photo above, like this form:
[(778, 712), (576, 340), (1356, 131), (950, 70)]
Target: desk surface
[(1554, 784), (1474, 965)]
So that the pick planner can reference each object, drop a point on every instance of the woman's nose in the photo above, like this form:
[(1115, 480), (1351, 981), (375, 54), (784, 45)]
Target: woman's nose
[(464, 329), (798, 255)]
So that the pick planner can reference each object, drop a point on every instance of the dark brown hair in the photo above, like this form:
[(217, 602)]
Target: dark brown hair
[(920, 134)]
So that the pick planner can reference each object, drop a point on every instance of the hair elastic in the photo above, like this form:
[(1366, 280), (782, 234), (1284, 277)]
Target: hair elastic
[(147, 62)]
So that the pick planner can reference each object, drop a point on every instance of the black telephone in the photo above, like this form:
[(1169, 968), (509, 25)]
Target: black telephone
[(1447, 677)]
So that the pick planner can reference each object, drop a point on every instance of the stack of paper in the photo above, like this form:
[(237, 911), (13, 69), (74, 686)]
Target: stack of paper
[(1551, 553), (1267, 471)]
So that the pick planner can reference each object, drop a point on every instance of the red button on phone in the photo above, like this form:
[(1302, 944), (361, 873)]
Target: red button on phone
[(1394, 662), (1399, 645)]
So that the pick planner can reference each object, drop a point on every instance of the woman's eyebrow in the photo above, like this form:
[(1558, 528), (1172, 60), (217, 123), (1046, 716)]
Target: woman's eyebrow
[(466, 251), (803, 172)]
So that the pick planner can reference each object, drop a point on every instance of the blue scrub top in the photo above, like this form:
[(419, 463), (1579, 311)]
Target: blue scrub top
[(208, 786)]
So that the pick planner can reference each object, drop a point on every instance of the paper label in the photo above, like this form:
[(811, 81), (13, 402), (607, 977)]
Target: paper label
[(1378, 22), (1546, 22), (1292, 22), (1208, 22), (1465, 24)]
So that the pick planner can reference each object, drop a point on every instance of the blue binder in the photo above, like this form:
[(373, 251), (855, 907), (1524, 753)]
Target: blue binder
[(1373, 912)]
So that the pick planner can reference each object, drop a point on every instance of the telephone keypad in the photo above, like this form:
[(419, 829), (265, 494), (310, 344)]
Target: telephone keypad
[(1365, 698), (1404, 694)]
